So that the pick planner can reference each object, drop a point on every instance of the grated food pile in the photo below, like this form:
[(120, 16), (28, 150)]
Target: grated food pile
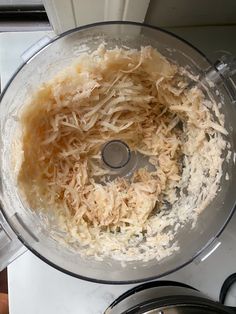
[(139, 97)]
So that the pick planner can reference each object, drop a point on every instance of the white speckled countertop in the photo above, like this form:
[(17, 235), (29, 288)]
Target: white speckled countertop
[(36, 288)]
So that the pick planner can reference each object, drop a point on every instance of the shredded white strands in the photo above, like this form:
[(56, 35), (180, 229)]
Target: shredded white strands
[(140, 98)]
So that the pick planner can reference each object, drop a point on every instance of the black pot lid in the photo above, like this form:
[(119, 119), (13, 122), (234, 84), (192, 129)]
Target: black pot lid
[(184, 309), (166, 297)]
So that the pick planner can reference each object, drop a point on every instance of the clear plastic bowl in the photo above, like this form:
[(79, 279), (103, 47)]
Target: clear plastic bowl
[(59, 53)]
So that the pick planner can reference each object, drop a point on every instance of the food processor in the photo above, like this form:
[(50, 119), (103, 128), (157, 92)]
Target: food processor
[(20, 227)]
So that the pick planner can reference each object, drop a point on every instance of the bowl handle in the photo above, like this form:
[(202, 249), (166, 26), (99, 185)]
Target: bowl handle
[(10, 246), (224, 71)]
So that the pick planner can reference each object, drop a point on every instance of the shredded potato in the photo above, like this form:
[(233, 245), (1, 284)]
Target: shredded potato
[(140, 98)]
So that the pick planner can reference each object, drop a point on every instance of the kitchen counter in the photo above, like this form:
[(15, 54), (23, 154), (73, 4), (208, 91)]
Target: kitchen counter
[(37, 288)]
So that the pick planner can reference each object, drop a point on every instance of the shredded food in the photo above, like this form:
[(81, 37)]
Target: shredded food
[(139, 97)]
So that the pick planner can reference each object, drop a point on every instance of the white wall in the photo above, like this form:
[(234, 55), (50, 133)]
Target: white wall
[(67, 14), (170, 13)]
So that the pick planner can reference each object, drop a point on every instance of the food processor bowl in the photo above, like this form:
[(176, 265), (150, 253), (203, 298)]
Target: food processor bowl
[(35, 231)]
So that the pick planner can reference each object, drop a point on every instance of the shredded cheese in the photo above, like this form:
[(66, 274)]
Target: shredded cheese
[(140, 98)]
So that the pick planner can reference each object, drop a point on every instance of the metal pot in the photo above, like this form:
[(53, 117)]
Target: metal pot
[(166, 297)]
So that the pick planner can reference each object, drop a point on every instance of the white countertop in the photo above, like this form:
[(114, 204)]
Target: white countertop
[(36, 288)]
